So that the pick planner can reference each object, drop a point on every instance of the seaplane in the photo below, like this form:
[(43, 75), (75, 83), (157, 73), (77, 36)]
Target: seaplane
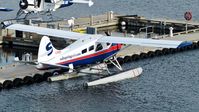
[(28, 7), (87, 50)]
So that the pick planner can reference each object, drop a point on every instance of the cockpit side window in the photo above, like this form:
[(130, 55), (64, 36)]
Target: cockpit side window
[(99, 47)]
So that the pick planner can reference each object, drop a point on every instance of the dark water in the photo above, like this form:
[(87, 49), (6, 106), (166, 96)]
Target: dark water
[(174, 9), (168, 83)]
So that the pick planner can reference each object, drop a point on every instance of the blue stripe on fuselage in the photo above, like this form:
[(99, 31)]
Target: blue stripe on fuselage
[(92, 60)]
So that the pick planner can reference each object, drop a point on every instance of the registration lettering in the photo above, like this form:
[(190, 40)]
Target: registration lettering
[(69, 57)]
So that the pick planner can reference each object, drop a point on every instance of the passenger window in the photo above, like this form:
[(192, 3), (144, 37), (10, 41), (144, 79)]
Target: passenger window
[(84, 51), (91, 48), (107, 44), (99, 47)]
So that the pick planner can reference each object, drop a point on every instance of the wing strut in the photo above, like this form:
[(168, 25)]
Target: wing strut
[(116, 63)]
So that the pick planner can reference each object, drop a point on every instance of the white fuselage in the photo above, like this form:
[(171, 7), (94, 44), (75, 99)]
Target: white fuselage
[(81, 52)]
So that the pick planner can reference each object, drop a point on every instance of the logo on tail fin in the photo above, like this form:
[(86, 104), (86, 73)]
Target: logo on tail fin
[(49, 48)]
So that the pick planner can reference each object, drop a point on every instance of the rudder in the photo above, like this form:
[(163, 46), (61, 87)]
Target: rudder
[(46, 50)]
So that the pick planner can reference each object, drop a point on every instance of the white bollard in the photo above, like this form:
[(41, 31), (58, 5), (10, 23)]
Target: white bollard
[(71, 23), (171, 32), (111, 15)]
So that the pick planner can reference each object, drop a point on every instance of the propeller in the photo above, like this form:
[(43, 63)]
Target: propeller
[(107, 33)]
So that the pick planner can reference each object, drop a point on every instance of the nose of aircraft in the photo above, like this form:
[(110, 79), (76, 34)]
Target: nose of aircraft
[(23, 4)]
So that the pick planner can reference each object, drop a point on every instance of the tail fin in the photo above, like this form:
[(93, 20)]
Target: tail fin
[(46, 50)]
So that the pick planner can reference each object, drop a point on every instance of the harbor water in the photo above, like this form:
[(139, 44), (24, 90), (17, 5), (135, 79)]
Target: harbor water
[(168, 83)]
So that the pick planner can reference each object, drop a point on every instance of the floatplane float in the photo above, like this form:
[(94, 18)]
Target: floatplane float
[(88, 54)]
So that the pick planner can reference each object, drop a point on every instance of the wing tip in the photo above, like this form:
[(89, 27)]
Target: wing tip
[(184, 44)]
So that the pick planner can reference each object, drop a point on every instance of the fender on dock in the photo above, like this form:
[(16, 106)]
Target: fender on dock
[(119, 77)]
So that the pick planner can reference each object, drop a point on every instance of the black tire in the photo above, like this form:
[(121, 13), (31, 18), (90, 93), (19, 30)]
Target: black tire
[(151, 54), (143, 55), (55, 72), (28, 80), (46, 75), (185, 48), (165, 51), (135, 57), (172, 50), (17, 82), (109, 65), (158, 52), (120, 60), (127, 59), (195, 45), (1, 86), (190, 47), (38, 78), (8, 84)]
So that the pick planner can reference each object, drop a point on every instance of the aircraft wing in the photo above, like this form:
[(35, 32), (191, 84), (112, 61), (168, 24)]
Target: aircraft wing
[(105, 39), (46, 31), (144, 42)]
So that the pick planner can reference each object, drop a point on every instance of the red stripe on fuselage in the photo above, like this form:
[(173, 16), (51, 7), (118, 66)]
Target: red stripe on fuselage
[(112, 48)]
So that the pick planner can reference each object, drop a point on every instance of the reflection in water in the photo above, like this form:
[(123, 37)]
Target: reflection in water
[(8, 54)]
